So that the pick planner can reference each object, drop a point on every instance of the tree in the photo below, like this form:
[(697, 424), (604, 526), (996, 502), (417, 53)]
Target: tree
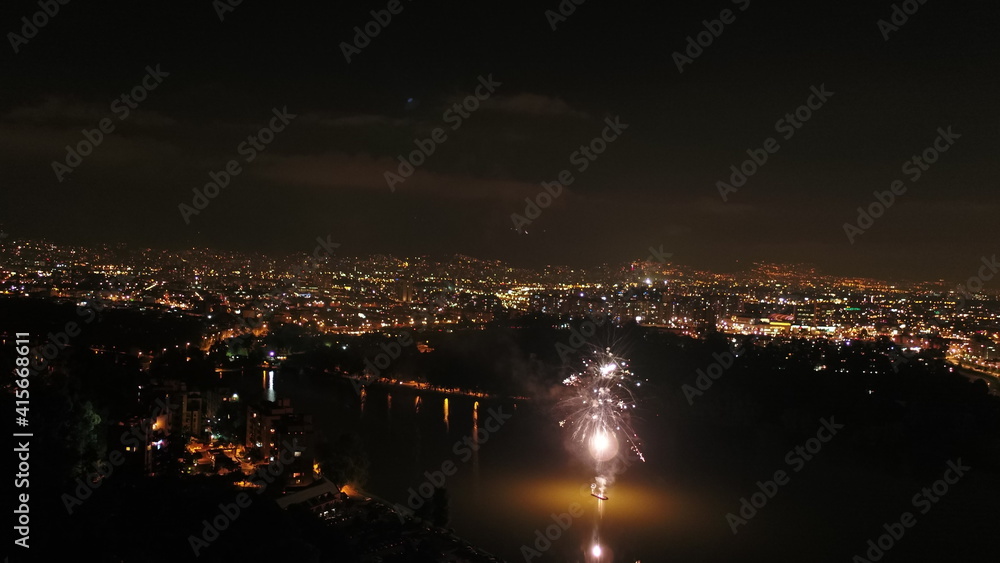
[(346, 461)]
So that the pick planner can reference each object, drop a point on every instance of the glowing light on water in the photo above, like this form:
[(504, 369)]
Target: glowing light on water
[(416, 404), (269, 394), (596, 550), (475, 441), (364, 397), (475, 425), (447, 425)]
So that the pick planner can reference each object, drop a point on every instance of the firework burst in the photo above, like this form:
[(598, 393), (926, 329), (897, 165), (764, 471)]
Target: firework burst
[(600, 408)]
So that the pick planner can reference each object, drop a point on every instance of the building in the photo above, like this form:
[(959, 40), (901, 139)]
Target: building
[(261, 421), (805, 315), (272, 426), (320, 499)]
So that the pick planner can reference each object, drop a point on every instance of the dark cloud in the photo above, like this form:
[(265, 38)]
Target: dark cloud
[(655, 185)]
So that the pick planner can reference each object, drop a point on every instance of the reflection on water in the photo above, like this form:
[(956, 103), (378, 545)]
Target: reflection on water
[(596, 552), (636, 520), (475, 441), (268, 385), (524, 477), (447, 425)]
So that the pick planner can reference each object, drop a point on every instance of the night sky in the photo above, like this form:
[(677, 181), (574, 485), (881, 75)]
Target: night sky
[(655, 185)]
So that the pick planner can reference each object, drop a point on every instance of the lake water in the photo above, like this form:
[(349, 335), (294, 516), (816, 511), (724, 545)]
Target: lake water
[(522, 473), (671, 508)]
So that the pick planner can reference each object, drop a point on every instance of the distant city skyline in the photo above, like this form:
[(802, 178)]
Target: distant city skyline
[(656, 261)]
